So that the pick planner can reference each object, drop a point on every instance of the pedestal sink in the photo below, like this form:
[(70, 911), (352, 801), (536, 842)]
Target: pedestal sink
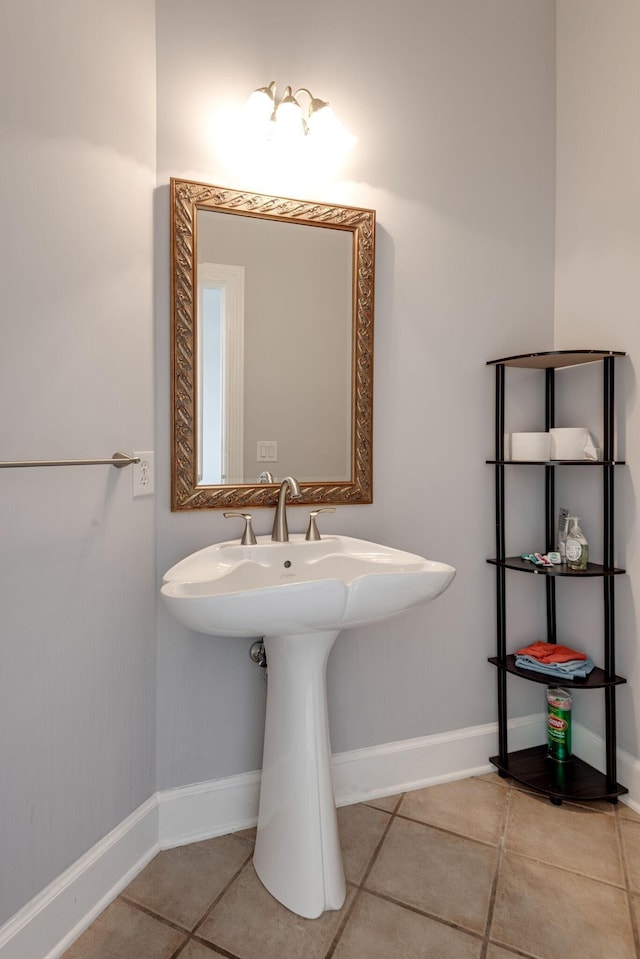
[(298, 595)]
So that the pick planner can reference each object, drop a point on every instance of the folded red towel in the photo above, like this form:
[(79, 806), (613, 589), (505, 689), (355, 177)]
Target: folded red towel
[(550, 653)]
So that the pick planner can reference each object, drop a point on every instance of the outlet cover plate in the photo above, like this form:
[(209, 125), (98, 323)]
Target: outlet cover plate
[(144, 474)]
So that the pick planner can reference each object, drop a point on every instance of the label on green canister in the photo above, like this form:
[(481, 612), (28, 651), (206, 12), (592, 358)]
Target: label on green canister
[(559, 724)]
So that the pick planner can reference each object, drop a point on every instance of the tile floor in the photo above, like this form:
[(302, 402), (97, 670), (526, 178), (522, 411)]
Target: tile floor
[(476, 869)]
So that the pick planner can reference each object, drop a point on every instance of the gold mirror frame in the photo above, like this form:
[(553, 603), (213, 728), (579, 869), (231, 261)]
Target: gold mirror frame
[(187, 197)]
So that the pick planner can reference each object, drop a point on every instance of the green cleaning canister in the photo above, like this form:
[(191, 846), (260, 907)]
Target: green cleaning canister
[(559, 724)]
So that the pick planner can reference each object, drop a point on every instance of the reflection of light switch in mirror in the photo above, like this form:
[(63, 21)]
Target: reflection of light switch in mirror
[(267, 451)]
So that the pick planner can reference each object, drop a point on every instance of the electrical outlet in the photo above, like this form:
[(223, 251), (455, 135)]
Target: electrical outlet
[(144, 474)]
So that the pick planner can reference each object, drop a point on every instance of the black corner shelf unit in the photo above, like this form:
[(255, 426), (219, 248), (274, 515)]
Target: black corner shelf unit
[(576, 779)]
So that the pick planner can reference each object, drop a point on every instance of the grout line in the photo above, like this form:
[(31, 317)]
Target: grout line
[(222, 892), (215, 950), (409, 907), (571, 872), (496, 875), (371, 803), (154, 915), (513, 950), (180, 949), (627, 882), (334, 942), (448, 832), (343, 922), (380, 843), (184, 929)]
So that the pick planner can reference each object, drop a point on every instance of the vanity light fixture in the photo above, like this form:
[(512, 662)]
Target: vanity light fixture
[(287, 120)]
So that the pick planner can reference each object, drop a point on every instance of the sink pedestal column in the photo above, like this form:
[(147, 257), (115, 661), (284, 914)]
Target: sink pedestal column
[(297, 853)]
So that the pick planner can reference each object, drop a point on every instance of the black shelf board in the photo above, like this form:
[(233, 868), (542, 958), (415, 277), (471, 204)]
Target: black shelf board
[(525, 566), (575, 780), (554, 359), (556, 462), (597, 678)]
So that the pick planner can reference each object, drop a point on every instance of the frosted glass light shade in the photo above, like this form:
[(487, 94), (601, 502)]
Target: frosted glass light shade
[(259, 106), (325, 126), (289, 121)]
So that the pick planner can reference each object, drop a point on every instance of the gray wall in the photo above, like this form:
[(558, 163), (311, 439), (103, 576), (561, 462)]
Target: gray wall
[(454, 106), (77, 592), (598, 298)]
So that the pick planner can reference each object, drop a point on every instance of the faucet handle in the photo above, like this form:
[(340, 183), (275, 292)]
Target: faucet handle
[(248, 537), (312, 530)]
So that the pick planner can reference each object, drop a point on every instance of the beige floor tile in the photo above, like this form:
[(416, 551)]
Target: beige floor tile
[(180, 884), (361, 828), (573, 837), (626, 812), (249, 835), (630, 833), (388, 803), (595, 805), (251, 924), (495, 778), (447, 876), (635, 906), (551, 914), (493, 952), (381, 930), (124, 932), (471, 807), (198, 950)]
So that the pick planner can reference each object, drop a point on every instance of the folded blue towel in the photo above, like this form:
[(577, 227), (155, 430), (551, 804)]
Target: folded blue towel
[(572, 669)]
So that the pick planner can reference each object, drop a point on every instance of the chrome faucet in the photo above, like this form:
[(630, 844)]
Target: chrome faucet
[(280, 532)]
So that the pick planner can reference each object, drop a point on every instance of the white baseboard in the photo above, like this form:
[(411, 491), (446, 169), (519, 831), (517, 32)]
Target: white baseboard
[(47, 925), (591, 748), (364, 774), (205, 810)]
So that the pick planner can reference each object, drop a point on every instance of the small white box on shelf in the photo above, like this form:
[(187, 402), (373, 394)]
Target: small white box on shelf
[(530, 446)]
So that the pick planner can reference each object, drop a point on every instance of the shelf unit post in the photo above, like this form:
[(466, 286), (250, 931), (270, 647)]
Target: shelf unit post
[(550, 503), (608, 401), (501, 613)]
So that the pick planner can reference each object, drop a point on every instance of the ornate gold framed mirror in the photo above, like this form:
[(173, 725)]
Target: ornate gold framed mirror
[(272, 348)]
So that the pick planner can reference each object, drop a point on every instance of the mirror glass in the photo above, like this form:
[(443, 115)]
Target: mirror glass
[(272, 329)]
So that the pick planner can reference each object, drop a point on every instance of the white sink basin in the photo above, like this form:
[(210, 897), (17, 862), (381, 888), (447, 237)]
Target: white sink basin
[(298, 587), (298, 596)]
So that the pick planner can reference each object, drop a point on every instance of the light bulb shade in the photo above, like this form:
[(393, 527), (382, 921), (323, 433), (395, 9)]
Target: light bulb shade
[(325, 126), (316, 105), (289, 120), (260, 105)]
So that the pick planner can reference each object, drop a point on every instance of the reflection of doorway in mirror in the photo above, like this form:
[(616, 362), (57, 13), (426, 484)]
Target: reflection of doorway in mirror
[(220, 393)]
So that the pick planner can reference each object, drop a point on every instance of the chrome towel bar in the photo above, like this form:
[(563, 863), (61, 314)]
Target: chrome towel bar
[(118, 460)]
